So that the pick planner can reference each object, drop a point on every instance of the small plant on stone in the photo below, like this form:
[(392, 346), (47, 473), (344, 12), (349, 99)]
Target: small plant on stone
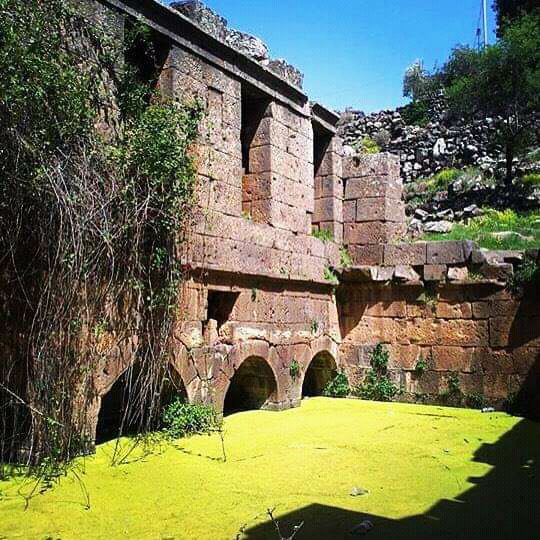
[(368, 146), (330, 276), (421, 366), (429, 297), (323, 234), (247, 215), (377, 385), (314, 326), (475, 400), (182, 419), (453, 394), (345, 259), (338, 387), (527, 273), (294, 369)]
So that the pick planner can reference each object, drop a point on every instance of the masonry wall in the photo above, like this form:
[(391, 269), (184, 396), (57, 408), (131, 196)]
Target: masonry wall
[(479, 332)]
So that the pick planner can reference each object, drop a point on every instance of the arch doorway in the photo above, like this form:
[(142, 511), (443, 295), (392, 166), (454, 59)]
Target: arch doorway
[(125, 408), (320, 372), (253, 386)]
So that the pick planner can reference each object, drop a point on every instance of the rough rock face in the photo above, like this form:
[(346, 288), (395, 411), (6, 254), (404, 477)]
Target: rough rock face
[(245, 43), (442, 143)]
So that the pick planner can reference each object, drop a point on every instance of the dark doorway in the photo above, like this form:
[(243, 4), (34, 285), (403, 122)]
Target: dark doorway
[(252, 387), (130, 406), (321, 141), (319, 373)]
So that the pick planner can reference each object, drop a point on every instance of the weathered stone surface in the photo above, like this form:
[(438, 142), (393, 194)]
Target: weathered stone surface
[(408, 254), (458, 273), (445, 252), (406, 273), (363, 165), (435, 272)]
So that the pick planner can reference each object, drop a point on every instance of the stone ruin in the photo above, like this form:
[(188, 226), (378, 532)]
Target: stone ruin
[(263, 292)]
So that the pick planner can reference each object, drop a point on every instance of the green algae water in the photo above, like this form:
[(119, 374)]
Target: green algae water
[(423, 471)]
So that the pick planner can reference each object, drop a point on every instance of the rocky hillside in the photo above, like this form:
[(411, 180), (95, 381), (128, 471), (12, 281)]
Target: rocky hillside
[(434, 142)]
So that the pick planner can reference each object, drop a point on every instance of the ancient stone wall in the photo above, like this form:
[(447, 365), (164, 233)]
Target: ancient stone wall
[(479, 333)]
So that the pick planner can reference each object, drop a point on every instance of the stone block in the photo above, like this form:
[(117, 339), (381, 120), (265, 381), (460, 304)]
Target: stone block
[(328, 186), (406, 273), (330, 165), (445, 310), (380, 209), (434, 272), (445, 252), (458, 273), (362, 165), (372, 233), (374, 186), (328, 209), (366, 255), (349, 211), (452, 358), (408, 254)]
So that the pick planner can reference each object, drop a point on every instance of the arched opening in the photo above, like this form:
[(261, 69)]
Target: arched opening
[(125, 408), (320, 372), (252, 387)]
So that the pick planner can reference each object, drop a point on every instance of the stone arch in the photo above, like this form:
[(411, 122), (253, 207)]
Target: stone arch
[(253, 386), (319, 372), (122, 411)]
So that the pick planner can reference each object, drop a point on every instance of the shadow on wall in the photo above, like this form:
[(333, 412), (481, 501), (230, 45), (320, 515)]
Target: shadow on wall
[(503, 504)]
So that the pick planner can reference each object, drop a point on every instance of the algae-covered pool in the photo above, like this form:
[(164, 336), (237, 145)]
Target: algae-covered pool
[(429, 472)]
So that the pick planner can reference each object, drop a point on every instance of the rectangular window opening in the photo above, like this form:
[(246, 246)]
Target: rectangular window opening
[(220, 306)]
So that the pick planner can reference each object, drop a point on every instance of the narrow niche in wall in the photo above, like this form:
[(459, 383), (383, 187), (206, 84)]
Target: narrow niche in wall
[(220, 306), (254, 107), (321, 141)]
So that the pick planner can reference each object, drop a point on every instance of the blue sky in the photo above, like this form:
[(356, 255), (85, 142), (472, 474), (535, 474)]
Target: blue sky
[(354, 52)]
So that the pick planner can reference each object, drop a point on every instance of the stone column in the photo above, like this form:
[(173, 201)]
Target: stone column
[(373, 212)]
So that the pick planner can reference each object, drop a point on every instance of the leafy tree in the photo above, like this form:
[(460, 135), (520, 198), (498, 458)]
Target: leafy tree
[(502, 80), (508, 10)]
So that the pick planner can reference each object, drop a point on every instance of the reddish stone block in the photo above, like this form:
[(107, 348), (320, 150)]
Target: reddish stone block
[(405, 254), (445, 252), (328, 209), (372, 233), (380, 209), (361, 165), (452, 358), (446, 310), (378, 186), (349, 211), (366, 255), (434, 272)]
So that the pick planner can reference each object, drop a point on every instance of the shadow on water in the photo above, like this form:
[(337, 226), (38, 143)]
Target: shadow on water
[(505, 503)]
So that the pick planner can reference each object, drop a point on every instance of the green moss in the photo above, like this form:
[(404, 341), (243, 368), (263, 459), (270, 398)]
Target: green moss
[(323, 234), (368, 146), (532, 179), (409, 457)]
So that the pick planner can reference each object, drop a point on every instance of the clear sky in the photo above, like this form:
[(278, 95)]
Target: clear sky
[(354, 52)]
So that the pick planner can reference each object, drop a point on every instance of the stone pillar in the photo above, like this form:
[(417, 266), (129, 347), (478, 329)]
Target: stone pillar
[(373, 212), (328, 214)]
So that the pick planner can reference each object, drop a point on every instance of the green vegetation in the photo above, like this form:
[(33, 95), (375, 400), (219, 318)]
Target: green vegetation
[(345, 259), (331, 276), (421, 366), (294, 369), (527, 274), (501, 80), (442, 180), (323, 234), (532, 179), (497, 230), (413, 459), (415, 113), (369, 146), (182, 419), (338, 387), (99, 159), (377, 385)]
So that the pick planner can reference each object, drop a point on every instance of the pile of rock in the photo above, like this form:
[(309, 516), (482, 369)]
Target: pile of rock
[(251, 46), (442, 221), (443, 143)]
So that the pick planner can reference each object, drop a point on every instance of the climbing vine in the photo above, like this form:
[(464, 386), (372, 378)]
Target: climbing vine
[(96, 186)]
